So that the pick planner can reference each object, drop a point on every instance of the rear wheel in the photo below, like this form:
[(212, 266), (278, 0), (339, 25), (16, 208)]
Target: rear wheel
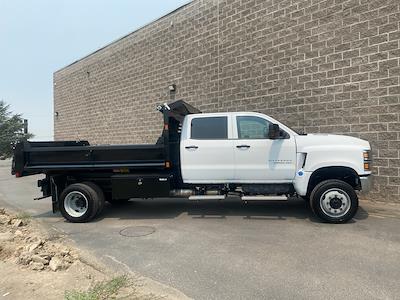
[(79, 202), (334, 201), (100, 195)]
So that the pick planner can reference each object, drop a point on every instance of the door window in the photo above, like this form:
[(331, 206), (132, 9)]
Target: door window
[(210, 128), (252, 127)]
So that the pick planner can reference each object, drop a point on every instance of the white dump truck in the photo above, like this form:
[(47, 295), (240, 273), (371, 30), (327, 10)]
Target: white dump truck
[(203, 156)]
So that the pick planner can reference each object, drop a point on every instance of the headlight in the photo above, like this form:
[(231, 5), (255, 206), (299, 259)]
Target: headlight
[(367, 160)]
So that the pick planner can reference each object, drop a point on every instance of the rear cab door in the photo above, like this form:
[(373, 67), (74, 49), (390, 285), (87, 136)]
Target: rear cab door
[(207, 148)]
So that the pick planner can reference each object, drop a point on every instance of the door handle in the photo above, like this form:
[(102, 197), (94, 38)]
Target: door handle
[(243, 146), (192, 147)]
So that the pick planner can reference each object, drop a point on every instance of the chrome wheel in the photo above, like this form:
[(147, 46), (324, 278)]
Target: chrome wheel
[(76, 204), (335, 203)]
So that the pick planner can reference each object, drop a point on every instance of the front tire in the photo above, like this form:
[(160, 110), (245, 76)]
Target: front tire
[(79, 203), (334, 201)]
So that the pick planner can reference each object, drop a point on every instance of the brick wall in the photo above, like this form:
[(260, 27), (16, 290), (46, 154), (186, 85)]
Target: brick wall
[(319, 66)]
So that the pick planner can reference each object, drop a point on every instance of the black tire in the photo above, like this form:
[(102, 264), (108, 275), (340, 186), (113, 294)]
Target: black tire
[(342, 204), (91, 196), (100, 194)]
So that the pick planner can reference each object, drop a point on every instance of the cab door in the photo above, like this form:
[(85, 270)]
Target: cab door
[(259, 159), (206, 149)]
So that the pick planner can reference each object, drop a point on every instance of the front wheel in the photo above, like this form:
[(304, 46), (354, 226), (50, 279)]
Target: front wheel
[(334, 201)]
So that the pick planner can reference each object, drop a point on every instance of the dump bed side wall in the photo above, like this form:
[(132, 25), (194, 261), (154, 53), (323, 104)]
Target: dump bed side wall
[(29, 159), (94, 154)]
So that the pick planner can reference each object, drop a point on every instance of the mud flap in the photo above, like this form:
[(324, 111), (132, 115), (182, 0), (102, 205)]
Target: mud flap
[(54, 194)]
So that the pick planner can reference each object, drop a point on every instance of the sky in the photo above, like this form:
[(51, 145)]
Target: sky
[(39, 37)]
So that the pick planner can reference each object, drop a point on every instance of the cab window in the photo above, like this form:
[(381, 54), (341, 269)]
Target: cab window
[(252, 127), (209, 128)]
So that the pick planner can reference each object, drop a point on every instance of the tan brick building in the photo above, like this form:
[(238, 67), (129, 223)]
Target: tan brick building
[(317, 65)]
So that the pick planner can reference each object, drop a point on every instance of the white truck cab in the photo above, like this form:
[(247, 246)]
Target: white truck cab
[(262, 156)]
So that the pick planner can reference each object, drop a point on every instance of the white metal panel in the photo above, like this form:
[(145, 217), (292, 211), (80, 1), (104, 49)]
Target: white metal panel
[(265, 160), (300, 182), (209, 161), (328, 150)]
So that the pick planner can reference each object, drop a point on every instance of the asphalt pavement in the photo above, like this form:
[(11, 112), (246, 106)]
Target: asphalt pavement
[(232, 250)]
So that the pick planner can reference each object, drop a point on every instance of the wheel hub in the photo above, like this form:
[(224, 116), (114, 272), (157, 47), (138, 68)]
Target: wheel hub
[(76, 204), (80, 203), (335, 203)]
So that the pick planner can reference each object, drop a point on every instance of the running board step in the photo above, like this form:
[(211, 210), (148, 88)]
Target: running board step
[(207, 197), (264, 198)]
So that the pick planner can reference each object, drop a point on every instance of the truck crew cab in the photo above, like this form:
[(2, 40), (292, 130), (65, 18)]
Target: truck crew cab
[(204, 156)]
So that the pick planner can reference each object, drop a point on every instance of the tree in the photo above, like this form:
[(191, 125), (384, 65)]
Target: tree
[(11, 130)]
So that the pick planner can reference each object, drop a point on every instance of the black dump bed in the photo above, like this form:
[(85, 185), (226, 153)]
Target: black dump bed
[(43, 157), (38, 157)]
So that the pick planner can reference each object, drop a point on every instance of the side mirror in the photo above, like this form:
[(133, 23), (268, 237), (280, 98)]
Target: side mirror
[(273, 132)]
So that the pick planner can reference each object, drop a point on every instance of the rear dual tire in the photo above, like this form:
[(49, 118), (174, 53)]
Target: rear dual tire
[(81, 202)]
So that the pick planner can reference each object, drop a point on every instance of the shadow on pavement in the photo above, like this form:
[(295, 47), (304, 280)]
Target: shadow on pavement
[(173, 208), (210, 209)]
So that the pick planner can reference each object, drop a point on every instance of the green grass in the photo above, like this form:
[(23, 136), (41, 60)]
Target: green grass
[(101, 291), (23, 216)]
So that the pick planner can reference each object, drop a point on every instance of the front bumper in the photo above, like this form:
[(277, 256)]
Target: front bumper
[(366, 183)]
